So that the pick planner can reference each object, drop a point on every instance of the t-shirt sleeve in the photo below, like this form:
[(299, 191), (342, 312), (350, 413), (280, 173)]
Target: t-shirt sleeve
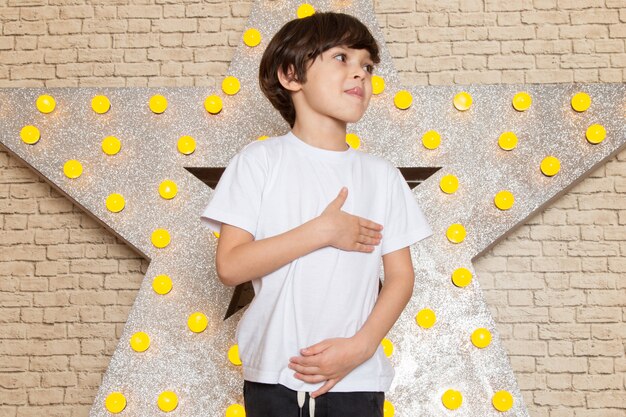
[(405, 223), (236, 199)]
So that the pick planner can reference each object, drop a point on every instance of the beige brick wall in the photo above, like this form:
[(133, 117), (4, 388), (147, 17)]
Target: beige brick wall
[(556, 286)]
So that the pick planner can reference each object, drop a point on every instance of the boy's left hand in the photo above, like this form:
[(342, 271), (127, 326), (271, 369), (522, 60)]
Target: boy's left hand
[(329, 360)]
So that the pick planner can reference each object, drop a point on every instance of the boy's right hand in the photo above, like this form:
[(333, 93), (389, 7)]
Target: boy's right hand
[(346, 231)]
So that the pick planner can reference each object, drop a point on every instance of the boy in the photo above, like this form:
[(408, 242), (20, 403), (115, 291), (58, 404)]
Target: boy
[(313, 330)]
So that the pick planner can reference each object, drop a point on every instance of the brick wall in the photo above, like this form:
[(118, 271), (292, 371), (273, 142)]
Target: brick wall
[(556, 286)]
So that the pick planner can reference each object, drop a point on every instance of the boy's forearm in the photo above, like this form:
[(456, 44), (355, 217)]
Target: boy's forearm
[(394, 296), (261, 257)]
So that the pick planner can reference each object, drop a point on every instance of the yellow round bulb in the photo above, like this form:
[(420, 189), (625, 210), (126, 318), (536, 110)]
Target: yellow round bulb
[(115, 202), (186, 145), (595, 133), (233, 355), (449, 183), (235, 410), (216, 234), (502, 401), (230, 85), (522, 101), (45, 103), (252, 37), (167, 401), (213, 104), (353, 140), (72, 169), (388, 409), (550, 166), (431, 139), (462, 101), (378, 84), (111, 145), (507, 141), (403, 99), (115, 402), (581, 102), (387, 347), (157, 103), (452, 399), (481, 337), (160, 238), (305, 10), (461, 277), (168, 189), (504, 200), (197, 322), (162, 284), (262, 137), (100, 104), (140, 341), (456, 233), (30, 134), (426, 318)]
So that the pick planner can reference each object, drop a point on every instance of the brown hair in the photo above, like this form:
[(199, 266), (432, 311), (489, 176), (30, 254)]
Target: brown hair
[(299, 42)]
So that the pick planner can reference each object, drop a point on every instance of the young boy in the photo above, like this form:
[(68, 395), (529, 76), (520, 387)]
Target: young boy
[(302, 216)]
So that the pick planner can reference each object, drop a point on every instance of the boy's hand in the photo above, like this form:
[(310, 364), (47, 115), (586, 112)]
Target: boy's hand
[(346, 231), (329, 360)]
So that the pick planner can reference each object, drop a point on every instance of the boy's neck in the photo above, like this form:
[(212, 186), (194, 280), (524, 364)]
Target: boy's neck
[(329, 136)]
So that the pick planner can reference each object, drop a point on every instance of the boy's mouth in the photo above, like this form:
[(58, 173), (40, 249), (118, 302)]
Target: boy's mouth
[(356, 91)]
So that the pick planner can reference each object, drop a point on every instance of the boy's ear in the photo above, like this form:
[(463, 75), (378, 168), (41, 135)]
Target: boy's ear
[(288, 81)]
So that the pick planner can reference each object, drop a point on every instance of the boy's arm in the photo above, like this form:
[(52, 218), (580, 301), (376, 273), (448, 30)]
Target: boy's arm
[(332, 359)]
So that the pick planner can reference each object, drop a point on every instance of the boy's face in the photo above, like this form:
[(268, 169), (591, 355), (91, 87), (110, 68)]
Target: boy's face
[(338, 85)]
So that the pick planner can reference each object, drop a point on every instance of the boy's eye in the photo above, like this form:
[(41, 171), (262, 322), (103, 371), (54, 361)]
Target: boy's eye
[(369, 68), (343, 55)]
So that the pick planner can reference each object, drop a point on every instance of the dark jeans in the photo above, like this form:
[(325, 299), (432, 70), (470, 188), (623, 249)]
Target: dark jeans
[(275, 400)]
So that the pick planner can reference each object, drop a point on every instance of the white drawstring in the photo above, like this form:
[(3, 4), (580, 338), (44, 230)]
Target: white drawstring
[(301, 398)]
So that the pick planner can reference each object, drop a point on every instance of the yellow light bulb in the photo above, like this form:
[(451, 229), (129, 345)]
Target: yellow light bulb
[(387, 347), (233, 355), (213, 104), (111, 145), (378, 84), (305, 10), (449, 183), (262, 137), (507, 141), (167, 401), (388, 409), (452, 399), (581, 102), (456, 233), (462, 101), (72, 169), (252, 37), (461, 277), (197, 322), (115, 402), (45, 103), (235, 410), (100, 104), (230, 85), (502, 401), (504, 200), (481, 338), (403, 99), (160, 238), (595, 133), (550, 166), (426, 318), (157, 103), (353, 140), (168, 189), (115, 202), (186, 145), (522, 101), (30, 134), (140, 341), (431, 139), (162, 284)]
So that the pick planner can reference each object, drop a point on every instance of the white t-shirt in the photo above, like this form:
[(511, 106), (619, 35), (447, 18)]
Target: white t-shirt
[(277, 184)]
